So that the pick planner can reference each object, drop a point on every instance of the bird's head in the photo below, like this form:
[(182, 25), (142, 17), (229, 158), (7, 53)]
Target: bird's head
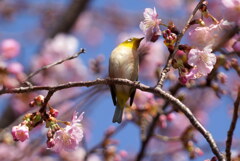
[(132, 42)]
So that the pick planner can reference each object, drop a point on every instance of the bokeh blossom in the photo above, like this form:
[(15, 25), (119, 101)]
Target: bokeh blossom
[(68, 138), (232, 9), (236, 46), (10, 48), (151, 58), (200, 37), (209, 36), (202, 61), (150, 24), (57, 48), (231, 3), (20, 132), (62, 43)]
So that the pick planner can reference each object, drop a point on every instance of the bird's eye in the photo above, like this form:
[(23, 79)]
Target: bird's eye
[(129, 40)]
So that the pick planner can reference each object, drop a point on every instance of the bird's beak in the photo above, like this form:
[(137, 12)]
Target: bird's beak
[(141, 39)]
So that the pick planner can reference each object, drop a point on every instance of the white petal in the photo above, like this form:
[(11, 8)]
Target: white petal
[(193, 57), (142, 26)]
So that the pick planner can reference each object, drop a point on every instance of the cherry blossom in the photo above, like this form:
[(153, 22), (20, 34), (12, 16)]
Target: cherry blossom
[(202, 62), (68, 138), (150, 24), (20, 132)]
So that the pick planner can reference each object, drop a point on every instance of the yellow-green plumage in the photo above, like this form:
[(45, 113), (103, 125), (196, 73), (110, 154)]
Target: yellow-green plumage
[(123, 63)]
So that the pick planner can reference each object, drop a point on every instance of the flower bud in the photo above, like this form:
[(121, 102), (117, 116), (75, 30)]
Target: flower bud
[(54, 112), (39, 100), (50, 143)]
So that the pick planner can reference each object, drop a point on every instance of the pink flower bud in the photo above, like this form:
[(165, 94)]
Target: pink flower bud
[(50, 143), (54, 112), (180, 53), (20, 132), (32, 103), (10, 48), (163, 122), (168, 31), (164, 34), (171, 116), (183, 80), (123, 153), (199, 151), (39, 100), (214, 158), (222, 77), (154, 38)]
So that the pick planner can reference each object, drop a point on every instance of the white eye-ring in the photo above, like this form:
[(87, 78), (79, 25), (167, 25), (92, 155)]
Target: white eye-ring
[(129, 40)]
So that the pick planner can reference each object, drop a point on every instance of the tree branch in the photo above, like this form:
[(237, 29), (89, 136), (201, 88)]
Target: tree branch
[(53, 64), (166, 69), (158, 91), (232, 127)]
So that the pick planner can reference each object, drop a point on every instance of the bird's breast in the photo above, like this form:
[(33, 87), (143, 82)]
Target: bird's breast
[(124, 63)]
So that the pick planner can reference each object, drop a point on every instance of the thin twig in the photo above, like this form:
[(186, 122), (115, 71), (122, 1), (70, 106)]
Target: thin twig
[(166, 69), (158, 91), (167, 138), (232, 127), (46, 100), (102, 142), (54, 64)]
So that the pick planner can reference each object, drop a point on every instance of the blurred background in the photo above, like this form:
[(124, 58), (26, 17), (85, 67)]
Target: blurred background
[(44, 31)]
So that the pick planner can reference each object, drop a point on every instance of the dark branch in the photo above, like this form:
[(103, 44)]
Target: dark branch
[(158, 91), (232, 127)]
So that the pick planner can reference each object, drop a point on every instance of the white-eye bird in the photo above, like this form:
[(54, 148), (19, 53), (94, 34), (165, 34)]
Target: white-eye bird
[(124, 63)]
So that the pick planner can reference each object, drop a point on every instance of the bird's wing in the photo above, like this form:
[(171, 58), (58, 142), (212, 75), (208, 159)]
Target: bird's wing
[(132, 94), (113, 93)]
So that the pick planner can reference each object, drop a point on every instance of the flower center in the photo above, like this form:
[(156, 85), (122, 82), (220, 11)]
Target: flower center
[(204, 58)]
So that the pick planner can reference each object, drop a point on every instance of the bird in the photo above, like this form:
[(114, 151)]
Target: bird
[(124, 63)]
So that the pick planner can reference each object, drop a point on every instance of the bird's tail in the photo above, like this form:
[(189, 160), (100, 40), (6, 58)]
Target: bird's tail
[(120, 104), (118, 114)]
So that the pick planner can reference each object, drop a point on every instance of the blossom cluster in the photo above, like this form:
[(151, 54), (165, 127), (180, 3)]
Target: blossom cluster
[(67, 138), (193, 61)]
